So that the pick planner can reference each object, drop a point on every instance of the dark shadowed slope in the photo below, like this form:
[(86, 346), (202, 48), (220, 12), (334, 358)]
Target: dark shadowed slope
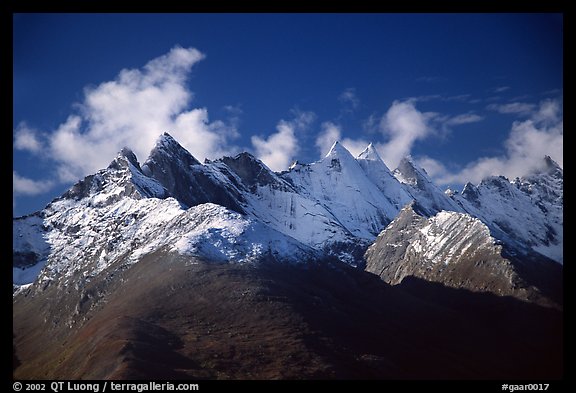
[(170, 316)]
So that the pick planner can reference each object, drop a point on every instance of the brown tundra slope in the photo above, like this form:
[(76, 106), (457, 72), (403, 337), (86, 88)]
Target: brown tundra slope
[(176, 317)]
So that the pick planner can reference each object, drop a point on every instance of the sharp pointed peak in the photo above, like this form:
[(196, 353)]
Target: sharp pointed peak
[(338, 149), (130, 156), (124, 155), (408, 171), (407, 163), (166, 139), (369, 153), (551, 165), (167, 145)]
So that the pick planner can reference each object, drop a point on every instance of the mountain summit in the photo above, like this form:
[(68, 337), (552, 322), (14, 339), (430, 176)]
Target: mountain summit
[(335, 207), (313, 249)]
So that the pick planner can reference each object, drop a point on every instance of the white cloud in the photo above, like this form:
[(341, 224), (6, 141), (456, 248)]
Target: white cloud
[(549, 112), (24, 186), (331, 133), (355, 146), (527, 144), (279, 150), (26, 138), (372, 124), (519, 108), (404, 125), (133, 110), (463, 119), (434, 168)]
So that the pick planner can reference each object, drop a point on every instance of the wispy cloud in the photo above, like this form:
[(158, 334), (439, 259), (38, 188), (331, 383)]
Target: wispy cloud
[(349, 99), (464, 98), (517, 108), (331, 133), (131, 110), (279, 150), (527, 144), (26, 138), (466, 118), (500, 89), (401, 126), (25, 186), (425, 98), (554, 92), (371, 125)]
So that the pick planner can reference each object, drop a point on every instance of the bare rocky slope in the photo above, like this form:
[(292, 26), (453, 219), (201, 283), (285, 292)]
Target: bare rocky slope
[(457, 250), (176, 317)]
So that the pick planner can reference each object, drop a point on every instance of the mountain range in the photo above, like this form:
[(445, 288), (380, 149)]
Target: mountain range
[(340, 268)]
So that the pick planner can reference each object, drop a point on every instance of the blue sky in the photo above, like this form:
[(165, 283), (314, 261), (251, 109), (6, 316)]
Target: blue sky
[(467, 95)]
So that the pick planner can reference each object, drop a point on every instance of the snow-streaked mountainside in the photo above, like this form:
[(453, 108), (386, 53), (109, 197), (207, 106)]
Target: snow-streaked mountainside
[(339, 184), (527, 212), (235, 209), (459, 251), (421, 188)]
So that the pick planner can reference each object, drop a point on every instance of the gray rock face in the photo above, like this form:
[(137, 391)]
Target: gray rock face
[(185, 178), (123, 173), (457, 250), (254, 173), (421, 188)]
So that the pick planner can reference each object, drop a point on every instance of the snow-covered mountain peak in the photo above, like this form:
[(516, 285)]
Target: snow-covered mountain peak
[(369, 154), (341, 191), (130, 156), (379, 174), (470, 193), (421, 188), (336, 149), (179, 172), (340, 153), (339, 159), (551, 168), (546, 183), (408, 172), (335, 206), (123, 159), (122, 178), (167, 151), (167, 145), (527, 212), (499, 183)]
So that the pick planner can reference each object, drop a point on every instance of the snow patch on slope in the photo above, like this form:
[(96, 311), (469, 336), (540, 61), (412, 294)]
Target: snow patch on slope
[(227, 236), (339, 184), (516, 216), (439, 242)]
